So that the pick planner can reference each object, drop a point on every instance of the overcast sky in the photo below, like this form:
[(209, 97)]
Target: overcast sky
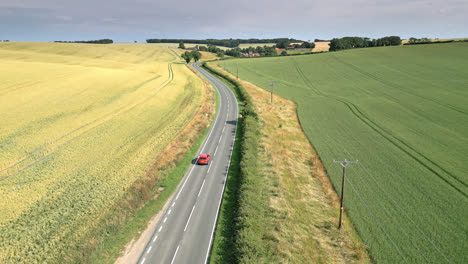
[(130, 20)]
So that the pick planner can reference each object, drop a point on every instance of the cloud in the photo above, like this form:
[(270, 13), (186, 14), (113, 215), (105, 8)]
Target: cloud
[(65, 18), (305, 19)]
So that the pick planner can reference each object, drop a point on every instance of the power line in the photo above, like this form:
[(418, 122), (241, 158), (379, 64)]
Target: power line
[(272, 85), (343, 164), (404, 212)]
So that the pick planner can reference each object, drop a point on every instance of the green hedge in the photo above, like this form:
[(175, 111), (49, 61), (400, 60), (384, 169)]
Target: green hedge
[(251, 245)]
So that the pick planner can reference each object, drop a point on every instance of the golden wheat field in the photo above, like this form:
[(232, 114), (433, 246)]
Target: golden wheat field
[(79, 124)]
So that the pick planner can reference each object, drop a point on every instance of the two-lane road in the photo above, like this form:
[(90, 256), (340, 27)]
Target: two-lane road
[(185, 231)]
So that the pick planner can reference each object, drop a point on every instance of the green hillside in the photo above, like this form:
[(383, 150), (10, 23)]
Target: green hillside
[(403, 113)]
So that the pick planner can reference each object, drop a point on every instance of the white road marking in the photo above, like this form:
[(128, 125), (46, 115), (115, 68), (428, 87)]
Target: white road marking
[(154, 239), (209, 167), (173, 204), (149, 249), (220, 199), (165, 220), (201, 188), (188, 221), (216, 150), (220, 139), (160, 228), (143, 261), (175, 254), (168, 213)]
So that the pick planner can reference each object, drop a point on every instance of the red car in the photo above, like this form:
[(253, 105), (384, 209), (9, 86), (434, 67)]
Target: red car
[(204, 159)]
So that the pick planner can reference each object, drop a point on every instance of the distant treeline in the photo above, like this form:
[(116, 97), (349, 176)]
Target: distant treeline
[(321, 40), (415, 41), (99, 41), (358, 42), (230, 43)]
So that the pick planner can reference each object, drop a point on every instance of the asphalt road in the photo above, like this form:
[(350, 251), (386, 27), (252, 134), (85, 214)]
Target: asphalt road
[(185, 231)]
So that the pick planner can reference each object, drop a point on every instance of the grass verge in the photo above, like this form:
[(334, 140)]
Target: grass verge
[(286, 208)]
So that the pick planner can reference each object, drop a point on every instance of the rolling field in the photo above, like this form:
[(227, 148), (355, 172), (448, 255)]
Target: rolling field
[(403, 113), (80, 123)]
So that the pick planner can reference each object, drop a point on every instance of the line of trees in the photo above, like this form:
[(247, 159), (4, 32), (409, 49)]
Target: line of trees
[(99, 41), (230, 43), (415, 41), (358, 42), (188, 56)]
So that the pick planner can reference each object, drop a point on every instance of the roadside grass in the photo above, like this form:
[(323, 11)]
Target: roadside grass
[(170, 170), (109, 251), (302, 205), (248, 234)]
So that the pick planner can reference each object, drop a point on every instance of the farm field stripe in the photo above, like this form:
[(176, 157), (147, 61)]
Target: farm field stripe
[(111, 116), (373, 125)]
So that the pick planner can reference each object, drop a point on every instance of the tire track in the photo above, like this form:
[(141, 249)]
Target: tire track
[(81, 130), (354, 67), (399, 143)]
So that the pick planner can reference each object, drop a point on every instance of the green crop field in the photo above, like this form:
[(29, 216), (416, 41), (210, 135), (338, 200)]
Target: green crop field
[(403, 113), (79, 124)]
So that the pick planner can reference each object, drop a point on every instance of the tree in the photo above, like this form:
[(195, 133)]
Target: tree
[(307, 45), (220, 54), (187, 56), (182, 46), (284, 53), (282, 44), (195, 55)]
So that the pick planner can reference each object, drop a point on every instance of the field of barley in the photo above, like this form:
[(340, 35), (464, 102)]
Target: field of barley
[(403, 113), (79, 124)]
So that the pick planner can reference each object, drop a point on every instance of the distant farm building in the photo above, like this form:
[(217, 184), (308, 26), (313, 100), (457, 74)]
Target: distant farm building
[(250, 55)]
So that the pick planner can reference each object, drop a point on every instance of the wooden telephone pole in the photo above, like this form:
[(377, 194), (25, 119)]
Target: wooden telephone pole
[(343, 164), (272, 85)]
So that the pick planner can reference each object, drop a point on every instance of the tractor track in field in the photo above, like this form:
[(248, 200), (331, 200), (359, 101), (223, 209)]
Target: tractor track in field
[(400, 144), (81, 130), (354, 67)]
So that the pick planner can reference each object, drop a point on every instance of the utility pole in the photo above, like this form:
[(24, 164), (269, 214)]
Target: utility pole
[(343, 164), (272, 85)]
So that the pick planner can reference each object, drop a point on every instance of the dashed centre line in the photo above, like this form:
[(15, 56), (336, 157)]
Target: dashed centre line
[(175, 254), (188, 221), (149, 249), (201, 187)]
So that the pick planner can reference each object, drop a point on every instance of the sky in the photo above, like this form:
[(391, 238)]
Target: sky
[(138, 20)]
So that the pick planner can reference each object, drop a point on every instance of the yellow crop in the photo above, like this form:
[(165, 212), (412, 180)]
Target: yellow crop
[(79, 124)]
